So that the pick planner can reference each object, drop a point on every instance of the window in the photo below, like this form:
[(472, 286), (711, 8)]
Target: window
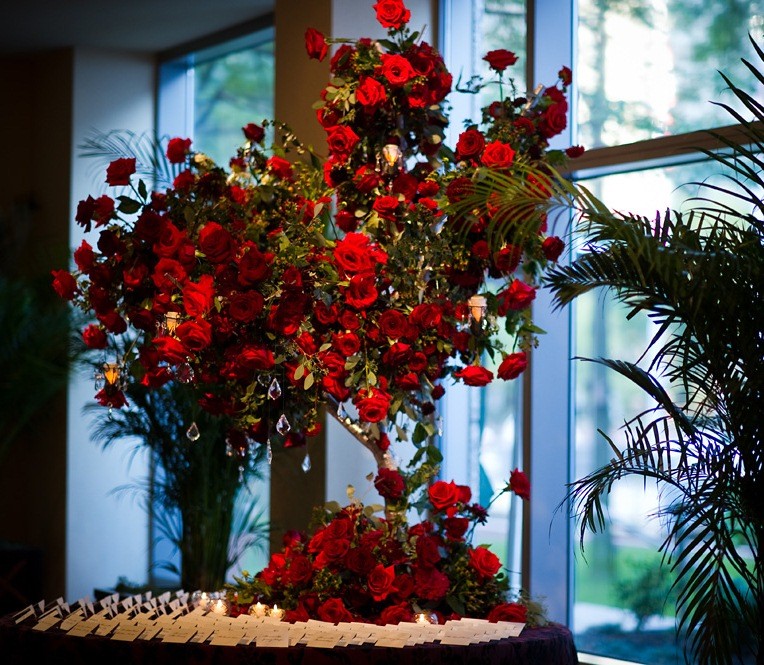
[(208, 94), (644, 72)]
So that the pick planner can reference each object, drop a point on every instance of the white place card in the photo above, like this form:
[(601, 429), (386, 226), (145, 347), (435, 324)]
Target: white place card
[(177, 636), (46, 622), (127, 632), (149, 632)]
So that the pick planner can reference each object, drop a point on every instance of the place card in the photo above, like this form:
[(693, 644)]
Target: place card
[(202, 635), (225, 640), (72, 620), (278, 639), (177, 635), (321, 639), (25, 614), (47, 622), (149, 632), (127, 632)]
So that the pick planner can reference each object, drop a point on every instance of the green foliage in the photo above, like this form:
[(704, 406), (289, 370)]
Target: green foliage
[(700, 278), (645, 591)]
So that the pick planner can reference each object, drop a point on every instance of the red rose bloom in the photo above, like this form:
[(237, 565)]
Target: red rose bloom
[(111, 397), (575, 151), (300, 570), (253, 132), (393, 324), (254, 266), (507, 259), (183, 181), (443, 495), (216, 242), (396, 69), (386, 206), (170, 350), (431, 584), (517, 297), (177, 149), (566, 76), (456, 527), (370, 93), (470, 144), (500, 59), (395, 614), (120, 170), (195, 335), (366, 179), (392, 13), (475, 375), (245, 307), (380, 581), (513, 612), (352, 255), (346, 343), (498, 155), (520, 484), (390, 484), (372, 405), (554, 120), (94, 337), (341, 141), (280, 167), (512, 366), (197, 297), (552, 248), (64, 284), (315, 44), (334, 611), (428, 551), (361, 292), (484, 562)]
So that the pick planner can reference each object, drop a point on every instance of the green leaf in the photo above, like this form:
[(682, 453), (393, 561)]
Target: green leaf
[(419, 435), (142, 192), (309, 381), (127, 205)]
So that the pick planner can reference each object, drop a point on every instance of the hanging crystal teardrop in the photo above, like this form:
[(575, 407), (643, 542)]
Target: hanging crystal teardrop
[(269, 452), (274, 390), (306, 463), (341, 413), (282, 426), (193, 433), (241, 473)]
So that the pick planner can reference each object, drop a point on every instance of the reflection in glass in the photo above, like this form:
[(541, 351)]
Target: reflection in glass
[(647, 69)]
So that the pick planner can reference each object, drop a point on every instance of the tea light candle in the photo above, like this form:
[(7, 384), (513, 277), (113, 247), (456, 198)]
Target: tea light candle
[(220, 607), (258, 610), (422, 618), (276, 613)]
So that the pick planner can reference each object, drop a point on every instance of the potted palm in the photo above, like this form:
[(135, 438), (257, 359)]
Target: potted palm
[(700, 277)]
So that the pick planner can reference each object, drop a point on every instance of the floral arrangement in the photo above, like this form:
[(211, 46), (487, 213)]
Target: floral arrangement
[(359, 565), (276, 286)]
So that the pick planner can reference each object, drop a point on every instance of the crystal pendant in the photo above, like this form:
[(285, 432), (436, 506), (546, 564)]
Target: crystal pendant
[(184, 373), (192, 433), (269, 452), (341, 413), (283, 426), (306, 463), (274, 390), (241, 473)]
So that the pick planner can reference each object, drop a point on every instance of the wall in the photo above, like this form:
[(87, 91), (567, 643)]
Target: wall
[(106, 532)]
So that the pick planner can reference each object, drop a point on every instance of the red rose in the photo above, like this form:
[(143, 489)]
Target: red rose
[(348, 320), (397, 354), (111, 397), (438, 391), (386, 206), (512, 366), (300, 570), (380, 581), (409, 381), (254, 266), (428, 550), (396, 69), (361, 292), (554, 120), (507, 259), (470, 144), (170, 350), (177, 149), (500, 59), (352, 254), (372, 405), (342, 58), (195, 335), (315, 44), (390, 484), (459, 189), (120, 170), (346, 343), (94, 337), (392, 13), (513, 612), (552, 247), (216, 242), (517, 297), (184, 181), (575, 151), (426, 315), (443, 495), (346, 220), (456, 527), (393, 324), (167, 274), (475, 375), (334, 611), (64, 284), (485, 562), (280, 167), (253, 132), (406, 184), (431, 584), (395, 614), (244, 307), (169, 241), (370, 93), (254, 357), (520, 484), (566, 76), (360, 560), (498, 155), (341, 140), (197, 297)]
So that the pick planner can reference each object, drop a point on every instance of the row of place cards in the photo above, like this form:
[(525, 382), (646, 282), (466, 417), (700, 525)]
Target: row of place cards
[(173, 620)]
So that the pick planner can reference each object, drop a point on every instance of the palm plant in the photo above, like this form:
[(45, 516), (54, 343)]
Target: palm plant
[(199, 497), (699, 276)]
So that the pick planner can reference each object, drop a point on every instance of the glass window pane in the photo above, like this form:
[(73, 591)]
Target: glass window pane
[(230, 91), (623, 607), (647, 69)]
